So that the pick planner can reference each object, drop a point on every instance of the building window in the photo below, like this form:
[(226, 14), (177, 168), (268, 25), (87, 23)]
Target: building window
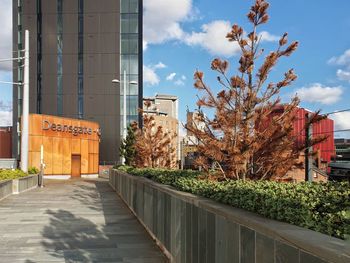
[(59, 57), (80, 59), (129, 58), (39, 56)]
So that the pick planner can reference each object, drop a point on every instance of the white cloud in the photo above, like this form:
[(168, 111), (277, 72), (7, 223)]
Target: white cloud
[(5, 118), (6, 34), (150, 77), (183, 77), (319, 93), (179, 82), (213, 39), (182, 131), (342, 60), (160, 65), (5, 106), (343, 75), (5, 113), (341, 120), (171, 76), (267, 37), (162, 20)]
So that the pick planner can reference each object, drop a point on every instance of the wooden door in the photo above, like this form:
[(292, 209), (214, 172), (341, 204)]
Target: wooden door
[(76, 164)]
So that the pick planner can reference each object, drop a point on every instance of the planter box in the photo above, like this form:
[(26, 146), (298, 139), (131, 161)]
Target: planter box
[(194, 229), (17, 186)]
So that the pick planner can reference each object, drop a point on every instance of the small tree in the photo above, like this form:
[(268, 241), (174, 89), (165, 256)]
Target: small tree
[(154, 145), (127, 147), (249, 136)]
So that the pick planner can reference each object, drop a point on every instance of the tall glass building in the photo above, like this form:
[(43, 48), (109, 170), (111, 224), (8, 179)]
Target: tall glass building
[(77, 47)]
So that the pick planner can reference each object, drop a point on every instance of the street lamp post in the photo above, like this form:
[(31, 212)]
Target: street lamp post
[(124, 106), (25, 110)]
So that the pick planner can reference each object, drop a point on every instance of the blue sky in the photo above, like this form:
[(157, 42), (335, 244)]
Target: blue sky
[(184, 35), (321, 61)]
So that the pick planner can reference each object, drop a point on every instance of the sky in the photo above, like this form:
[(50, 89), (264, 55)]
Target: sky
[(185, 35)]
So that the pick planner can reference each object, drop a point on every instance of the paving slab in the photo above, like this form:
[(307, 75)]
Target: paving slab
[(77, 220)]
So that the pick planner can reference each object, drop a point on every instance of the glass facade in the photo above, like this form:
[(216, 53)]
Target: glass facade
[(19, 54), (20, 47), (80, 59), (39, 55), (59, 57), (129, 59)]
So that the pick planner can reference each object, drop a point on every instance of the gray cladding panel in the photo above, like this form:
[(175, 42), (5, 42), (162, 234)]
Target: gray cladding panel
[(70, 44), (109, 43), (70, 64), (92, 64), (108, 19), (94, 104), (49, 23), (49, 84), (70, 6), (112, 105), (29, 22), (29, 6), (104, 6), (49, 63), (91, 23), (49, 45), (49, 104), (70, 105), (265, 248), (285, 253), (49, 6), (70, 22), (69, 84)]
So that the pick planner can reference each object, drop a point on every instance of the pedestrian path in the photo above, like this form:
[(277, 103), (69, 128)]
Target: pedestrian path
[(72, 221)]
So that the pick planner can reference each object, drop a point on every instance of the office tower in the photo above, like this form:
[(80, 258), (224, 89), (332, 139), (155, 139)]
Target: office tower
[(77, 47)]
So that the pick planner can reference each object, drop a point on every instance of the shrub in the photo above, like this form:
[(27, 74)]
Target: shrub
[(33, 170), (11, 174), (323, 207)]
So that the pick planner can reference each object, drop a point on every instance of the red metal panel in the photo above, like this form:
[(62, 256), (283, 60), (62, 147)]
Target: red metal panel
[(323, 127), (6, 142)]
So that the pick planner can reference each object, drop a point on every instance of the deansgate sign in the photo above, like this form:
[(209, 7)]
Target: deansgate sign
[(75, 130)]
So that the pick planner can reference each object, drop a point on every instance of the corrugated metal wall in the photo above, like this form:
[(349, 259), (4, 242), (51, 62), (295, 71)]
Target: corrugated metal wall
[(323, 127)]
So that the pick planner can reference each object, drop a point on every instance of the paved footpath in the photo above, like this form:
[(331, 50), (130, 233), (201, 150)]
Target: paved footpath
[(72, 221)]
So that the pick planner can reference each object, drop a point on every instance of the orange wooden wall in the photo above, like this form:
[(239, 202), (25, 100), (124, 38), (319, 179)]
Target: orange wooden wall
[(59, 146)]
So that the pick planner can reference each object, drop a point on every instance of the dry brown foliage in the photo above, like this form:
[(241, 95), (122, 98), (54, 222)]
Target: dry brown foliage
[(247, 137), (153, 145)]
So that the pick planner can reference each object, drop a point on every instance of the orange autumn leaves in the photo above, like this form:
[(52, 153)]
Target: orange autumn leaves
[(251, 134)]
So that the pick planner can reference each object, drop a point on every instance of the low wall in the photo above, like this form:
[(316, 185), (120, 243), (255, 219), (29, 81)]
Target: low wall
[(17, 186), (27, 183), (5, 188), (196, 229)]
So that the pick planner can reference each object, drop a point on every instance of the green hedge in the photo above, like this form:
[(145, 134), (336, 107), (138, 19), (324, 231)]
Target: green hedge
[(33, 170), (323, 207), (11, 174)]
